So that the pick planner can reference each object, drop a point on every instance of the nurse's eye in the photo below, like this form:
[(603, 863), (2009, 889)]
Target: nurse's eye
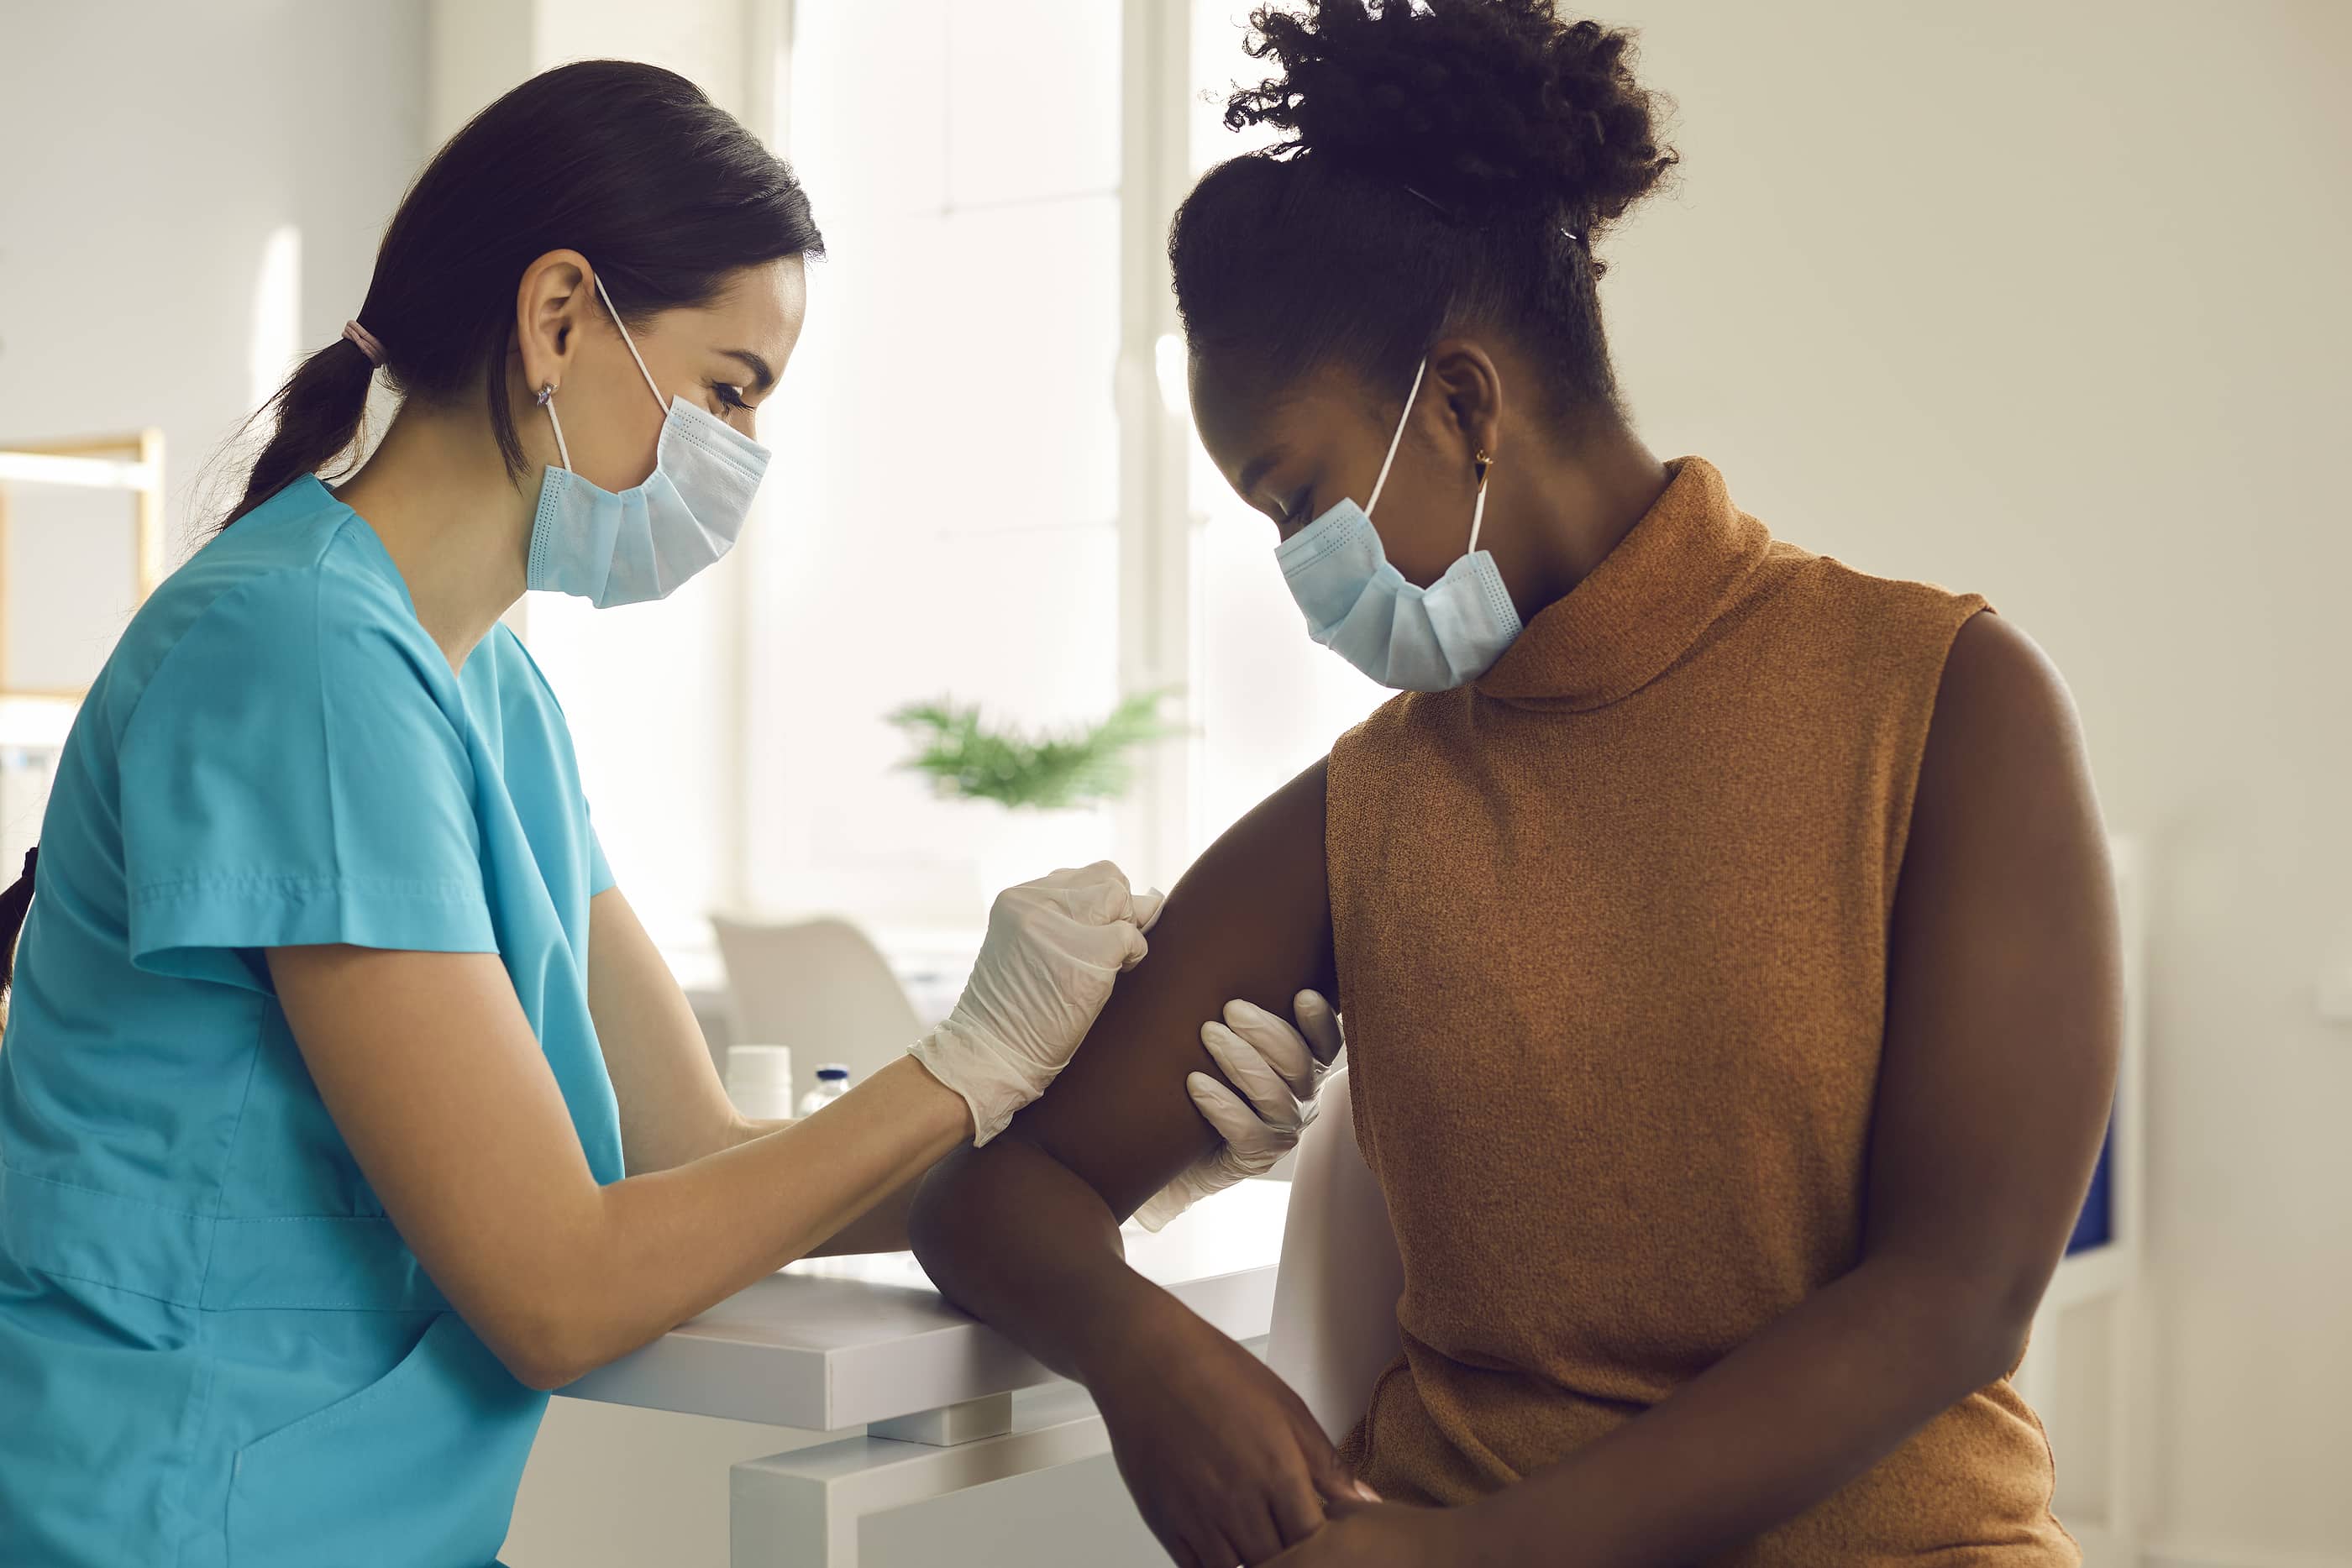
[(732, 396)]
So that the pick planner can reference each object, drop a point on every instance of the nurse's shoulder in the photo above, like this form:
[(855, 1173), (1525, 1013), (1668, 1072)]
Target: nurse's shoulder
[(298, 592)]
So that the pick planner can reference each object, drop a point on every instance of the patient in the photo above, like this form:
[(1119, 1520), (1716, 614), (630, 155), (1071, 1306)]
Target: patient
[(1725, 936)]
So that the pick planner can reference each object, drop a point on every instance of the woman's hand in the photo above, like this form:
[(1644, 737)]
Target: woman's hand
[(1385, 1535), (1054, 948), (1280, 1069), (1224, 1462)]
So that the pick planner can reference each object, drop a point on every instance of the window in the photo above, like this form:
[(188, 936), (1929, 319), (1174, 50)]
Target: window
[(957, 480), (1268, 701), (945, 518)]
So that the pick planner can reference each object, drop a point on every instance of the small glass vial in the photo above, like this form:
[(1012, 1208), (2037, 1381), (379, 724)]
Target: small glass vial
[(832, 1084)]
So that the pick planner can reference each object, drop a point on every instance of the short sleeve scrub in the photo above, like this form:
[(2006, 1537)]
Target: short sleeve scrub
[(214, 1349)]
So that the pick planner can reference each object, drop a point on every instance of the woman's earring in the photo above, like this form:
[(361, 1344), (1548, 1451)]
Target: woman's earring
[(545, 392), (1484, 460)]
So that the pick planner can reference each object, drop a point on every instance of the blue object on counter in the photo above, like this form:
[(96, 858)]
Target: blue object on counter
[(2095, 1225)]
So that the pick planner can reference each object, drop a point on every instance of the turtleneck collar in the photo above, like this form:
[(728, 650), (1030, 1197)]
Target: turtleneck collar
[(1644, 606)]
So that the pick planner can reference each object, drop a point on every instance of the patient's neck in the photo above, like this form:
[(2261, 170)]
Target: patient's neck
[(1565, 506)]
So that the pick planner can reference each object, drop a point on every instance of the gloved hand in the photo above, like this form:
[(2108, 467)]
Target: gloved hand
[(1280, 1068), (1054, 948)]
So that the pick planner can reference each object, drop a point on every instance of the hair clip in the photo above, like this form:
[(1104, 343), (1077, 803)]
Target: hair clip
[(1432, 202)]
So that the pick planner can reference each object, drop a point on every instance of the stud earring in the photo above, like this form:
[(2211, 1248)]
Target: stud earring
[(545, 392), (1484, 460)]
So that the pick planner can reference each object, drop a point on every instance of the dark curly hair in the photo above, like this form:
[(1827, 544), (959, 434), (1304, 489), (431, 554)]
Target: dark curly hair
[(1451, 163)]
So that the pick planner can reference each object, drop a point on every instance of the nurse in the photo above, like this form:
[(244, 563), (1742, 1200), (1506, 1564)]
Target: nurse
[(346, 1108)]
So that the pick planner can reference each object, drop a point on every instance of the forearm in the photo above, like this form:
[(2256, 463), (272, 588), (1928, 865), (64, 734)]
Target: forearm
[(657, 1249), (1772, 1429), (1055, 1279)]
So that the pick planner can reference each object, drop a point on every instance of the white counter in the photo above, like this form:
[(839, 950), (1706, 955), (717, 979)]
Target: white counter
[(845, 1342)]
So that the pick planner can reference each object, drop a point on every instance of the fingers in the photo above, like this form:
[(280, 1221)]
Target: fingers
[(1247, 1138), (1133, 948), (1297, 1510), (1319, 1024), (1094, 898), (1093, 895), (1343, 1491), (1212, 1547), (1263, 1082), (1252, 1529), (1281, 1047)]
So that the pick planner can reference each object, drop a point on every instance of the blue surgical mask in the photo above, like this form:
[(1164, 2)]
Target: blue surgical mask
[(1406, 637), (642, 543)]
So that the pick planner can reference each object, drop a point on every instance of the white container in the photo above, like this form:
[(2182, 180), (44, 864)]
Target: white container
[(832, 1084), (759, 1081)]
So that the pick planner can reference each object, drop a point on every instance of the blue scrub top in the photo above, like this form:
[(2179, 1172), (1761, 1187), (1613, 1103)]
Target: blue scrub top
[(214, 1346)]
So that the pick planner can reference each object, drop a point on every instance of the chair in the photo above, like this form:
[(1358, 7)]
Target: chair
[(820, 987), (1337, 1288)]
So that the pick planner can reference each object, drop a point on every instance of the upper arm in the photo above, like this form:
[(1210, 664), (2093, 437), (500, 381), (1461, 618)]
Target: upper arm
[(293, 774), (2004, 1000), (673, 1106), (434, 1079), (1251, 919)]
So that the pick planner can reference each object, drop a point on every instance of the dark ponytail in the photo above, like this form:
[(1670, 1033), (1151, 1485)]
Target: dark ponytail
[(13, 905), (1447, 166), (665, 192), (316, 416)]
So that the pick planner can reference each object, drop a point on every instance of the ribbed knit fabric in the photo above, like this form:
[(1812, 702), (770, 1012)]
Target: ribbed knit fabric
[(1611, 929)]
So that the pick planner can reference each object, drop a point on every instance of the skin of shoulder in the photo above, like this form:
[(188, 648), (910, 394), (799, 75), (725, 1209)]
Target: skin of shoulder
[(1251, 920)]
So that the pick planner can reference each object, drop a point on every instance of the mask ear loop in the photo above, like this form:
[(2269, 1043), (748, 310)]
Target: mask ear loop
[(546, 402), (632, 343), (1478, 511), (1398, 439)]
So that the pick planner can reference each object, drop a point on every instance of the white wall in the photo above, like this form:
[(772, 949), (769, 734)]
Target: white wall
[(147, 153), (2048, 301)]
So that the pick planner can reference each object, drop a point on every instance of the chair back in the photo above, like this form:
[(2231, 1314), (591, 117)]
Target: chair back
[(820, 987), (1336, 1289)]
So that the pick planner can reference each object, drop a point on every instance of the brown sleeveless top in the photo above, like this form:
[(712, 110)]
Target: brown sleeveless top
[(1611, 928)]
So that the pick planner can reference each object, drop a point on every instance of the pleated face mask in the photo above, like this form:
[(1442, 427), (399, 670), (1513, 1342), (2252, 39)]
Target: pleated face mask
[(640, 544), (1407, 637)]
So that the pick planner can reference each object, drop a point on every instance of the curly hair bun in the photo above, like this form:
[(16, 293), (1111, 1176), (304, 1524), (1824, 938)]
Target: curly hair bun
[(1481, 107)]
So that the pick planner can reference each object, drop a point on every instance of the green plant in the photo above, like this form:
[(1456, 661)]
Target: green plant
[(965, 758)]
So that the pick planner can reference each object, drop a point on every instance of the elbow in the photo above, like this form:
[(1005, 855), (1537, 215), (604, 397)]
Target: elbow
[(1977, 1335), (1956, 1336), (548, 1358), (545, 1339), (938, 1218), (1990, 1349), (544, 1355)]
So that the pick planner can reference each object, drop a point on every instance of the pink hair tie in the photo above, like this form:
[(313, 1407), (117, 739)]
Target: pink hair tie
[(357, 334)]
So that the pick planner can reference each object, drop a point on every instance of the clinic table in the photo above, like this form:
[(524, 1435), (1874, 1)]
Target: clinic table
[(836, 1344)]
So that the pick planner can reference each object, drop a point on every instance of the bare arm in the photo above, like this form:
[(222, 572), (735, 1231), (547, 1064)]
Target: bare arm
[(1025, 1232), (434, 1079), (2004, 1015), (1250, 920), (673, 1109)]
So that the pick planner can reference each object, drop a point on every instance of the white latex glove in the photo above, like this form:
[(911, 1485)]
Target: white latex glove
[(1280, 1068), (1054, 948)]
